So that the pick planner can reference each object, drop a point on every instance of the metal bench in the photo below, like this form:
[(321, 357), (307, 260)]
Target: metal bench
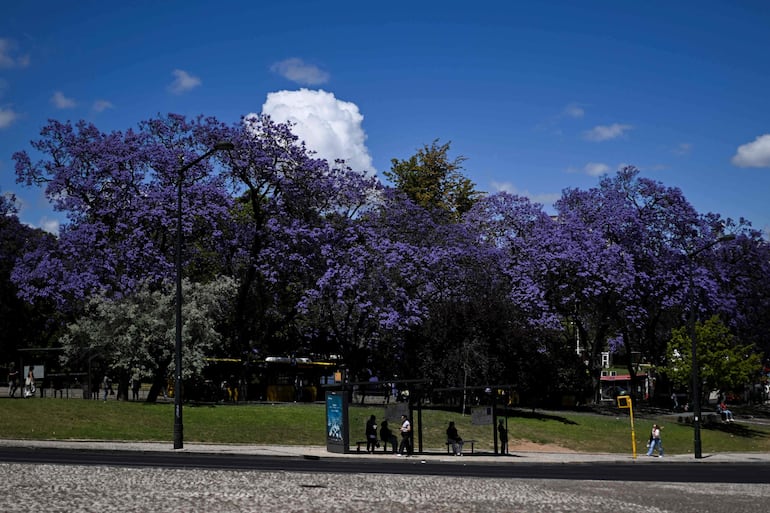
[(364, 442), (465, 442)]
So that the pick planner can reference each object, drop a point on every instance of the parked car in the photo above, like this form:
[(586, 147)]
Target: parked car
[(614, 391)]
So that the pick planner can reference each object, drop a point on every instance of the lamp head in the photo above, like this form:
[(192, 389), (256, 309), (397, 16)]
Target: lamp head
[(224, 145)]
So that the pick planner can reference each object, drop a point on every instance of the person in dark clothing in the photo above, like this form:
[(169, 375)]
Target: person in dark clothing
[(503, 435), (136, 385), (371, 434), (13, 381), (454, 438)]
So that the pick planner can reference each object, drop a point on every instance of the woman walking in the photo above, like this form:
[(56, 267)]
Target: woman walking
[(655, 441)]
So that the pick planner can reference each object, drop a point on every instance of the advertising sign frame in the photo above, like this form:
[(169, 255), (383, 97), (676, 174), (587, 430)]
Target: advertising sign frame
[(337, 427)]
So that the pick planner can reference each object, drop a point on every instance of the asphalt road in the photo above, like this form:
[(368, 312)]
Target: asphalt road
[(649, 470)]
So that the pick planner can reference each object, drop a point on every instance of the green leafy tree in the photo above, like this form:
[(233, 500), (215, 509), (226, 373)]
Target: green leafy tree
[(724, 363), (136, 334), (434, 181)]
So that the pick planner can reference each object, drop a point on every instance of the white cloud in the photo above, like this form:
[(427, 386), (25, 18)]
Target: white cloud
[(573, 110), (606, 132), (683, 149), (596, 168), (8, 59), (330, 127), (504, 187), (183, 82), (49, 225), (102, 105), (754, 154), (7, 117), (298, 71), (62, 102), (545, 199), (25, 207)]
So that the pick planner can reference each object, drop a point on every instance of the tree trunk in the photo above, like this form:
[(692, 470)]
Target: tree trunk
[(159, 384)]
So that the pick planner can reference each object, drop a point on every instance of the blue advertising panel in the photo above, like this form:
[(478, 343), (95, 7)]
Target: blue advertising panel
[(337, 432)]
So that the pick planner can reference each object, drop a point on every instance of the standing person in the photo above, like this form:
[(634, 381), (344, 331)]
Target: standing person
[(13, 381), (136, 384), (656, 441), (387, 437), (453, 438), (406, 437), (223, 389), (29, 384), (107, 385), (95, 389), (371, 434), (503, 435)]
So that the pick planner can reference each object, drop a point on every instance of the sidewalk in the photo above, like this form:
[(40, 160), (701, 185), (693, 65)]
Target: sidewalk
[(304, 451)]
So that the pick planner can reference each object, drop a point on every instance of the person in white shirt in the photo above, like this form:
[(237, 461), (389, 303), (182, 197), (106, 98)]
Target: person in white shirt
[(406, 437), (29, 384), (656, 441)]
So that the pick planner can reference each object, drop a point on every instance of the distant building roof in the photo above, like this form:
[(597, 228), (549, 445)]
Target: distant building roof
[(622, 377)]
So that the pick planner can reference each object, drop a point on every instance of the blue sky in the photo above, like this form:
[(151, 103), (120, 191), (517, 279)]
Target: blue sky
[(538, 96)]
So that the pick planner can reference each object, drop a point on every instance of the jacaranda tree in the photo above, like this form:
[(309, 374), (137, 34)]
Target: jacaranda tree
[(118, 191), (426, 279)]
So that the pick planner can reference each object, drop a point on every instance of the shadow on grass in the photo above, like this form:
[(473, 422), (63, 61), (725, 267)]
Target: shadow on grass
[(200, 404), (736, 429), (536, 415)]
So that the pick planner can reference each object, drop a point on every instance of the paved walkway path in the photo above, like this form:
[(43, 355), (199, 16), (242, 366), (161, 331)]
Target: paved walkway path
[(320, 451)]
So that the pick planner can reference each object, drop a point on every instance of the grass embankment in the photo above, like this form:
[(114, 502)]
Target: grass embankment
[(304, 424)]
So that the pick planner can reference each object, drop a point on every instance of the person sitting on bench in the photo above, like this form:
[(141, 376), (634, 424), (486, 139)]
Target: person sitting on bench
[(727, 414), (371, 434), (454, 438)]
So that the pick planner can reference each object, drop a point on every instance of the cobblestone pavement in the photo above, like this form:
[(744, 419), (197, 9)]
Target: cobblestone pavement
[(70, 488)]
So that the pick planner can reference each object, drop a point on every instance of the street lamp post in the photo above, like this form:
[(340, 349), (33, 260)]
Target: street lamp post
[(695, 371), (178, 427), (696, 410)]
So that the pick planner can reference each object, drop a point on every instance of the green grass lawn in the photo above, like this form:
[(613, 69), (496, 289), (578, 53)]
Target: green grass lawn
[(304, 424)]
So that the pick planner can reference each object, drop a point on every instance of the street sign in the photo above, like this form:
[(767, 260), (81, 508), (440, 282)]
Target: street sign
[(624, 402)]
